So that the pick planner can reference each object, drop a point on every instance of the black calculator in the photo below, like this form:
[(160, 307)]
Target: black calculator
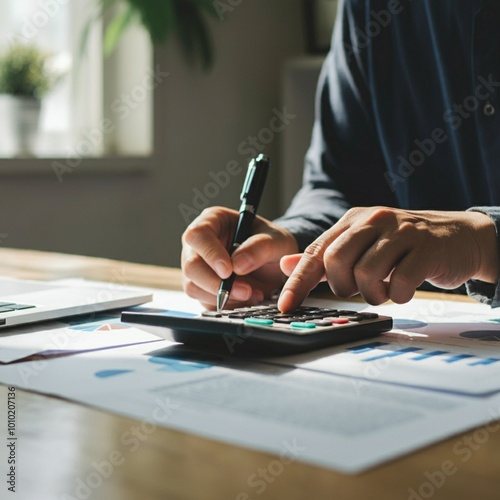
[(263, 329)]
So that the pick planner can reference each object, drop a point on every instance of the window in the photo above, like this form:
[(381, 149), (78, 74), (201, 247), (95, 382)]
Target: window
[(100, 106)]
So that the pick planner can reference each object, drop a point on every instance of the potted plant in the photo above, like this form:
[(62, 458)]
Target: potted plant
[(161, 18), (24, 80)]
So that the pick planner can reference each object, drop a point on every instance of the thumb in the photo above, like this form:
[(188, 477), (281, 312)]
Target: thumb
[(289, 262)]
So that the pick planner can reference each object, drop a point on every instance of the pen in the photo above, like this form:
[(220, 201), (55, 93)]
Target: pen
[(250, 198)]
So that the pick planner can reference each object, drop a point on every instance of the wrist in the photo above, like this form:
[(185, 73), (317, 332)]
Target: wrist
[(485, 234)]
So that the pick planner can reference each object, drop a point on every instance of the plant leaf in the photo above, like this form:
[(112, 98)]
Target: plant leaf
[(159, 17), (102, 6), (193, 33), (116, 28)]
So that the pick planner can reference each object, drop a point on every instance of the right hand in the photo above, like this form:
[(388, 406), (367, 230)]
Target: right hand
[(206, 261)]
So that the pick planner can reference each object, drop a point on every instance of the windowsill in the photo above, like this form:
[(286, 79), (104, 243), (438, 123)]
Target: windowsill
[(62, 167)]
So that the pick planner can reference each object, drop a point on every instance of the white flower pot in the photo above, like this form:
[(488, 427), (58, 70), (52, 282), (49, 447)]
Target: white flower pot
[(19, 118)]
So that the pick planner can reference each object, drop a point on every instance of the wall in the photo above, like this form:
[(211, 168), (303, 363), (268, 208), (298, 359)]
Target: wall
[(201, 122)]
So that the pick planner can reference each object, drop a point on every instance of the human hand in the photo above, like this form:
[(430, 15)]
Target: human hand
[(206, 261), (386, 253)]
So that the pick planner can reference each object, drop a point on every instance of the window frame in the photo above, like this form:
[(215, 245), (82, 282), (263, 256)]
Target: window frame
[(107, 163)]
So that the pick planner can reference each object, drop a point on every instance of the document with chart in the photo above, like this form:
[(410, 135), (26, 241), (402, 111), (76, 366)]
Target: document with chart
[(445, 345), (345, 408), (329, 420)]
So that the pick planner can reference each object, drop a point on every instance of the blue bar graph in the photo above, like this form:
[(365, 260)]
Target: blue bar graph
[(427, 355), (392, 354), (458, 357), (447, 356), (366, 347), (486, 361)]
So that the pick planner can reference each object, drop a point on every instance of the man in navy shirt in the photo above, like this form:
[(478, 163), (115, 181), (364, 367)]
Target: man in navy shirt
[(402, 179)]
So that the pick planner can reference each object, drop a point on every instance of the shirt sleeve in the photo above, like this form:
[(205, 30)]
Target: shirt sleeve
[(487, 293), (344, 165)]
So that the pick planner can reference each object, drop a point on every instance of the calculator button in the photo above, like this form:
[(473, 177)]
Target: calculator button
[(259, 321), (301, 319), (302, 324), (284, 321), (321, 322), (354, 317), (211, 314), (339, 321), (325, 310)]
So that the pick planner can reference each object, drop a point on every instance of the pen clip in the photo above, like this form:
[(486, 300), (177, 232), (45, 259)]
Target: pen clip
[(248, 181), (254, 181)]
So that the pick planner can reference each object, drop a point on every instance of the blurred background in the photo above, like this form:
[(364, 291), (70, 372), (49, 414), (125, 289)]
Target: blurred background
[(112, 139)]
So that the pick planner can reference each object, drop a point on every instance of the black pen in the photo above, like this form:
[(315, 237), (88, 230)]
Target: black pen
[(250, 198)]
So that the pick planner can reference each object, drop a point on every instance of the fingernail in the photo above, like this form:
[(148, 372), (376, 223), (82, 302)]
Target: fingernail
[(221, 269), (286, 300), (242, 263), (241, 292)]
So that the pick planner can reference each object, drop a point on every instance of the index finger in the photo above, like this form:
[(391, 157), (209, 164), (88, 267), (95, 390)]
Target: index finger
[(307, 274), (206, 240)]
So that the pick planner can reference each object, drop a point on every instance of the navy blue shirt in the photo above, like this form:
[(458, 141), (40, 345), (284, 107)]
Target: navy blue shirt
[(407, 115)]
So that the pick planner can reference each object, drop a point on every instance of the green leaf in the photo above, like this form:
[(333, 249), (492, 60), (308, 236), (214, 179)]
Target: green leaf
[(23, 71), (116, 28), (161, 18), (102, 7), (158, 17), (193, 34)]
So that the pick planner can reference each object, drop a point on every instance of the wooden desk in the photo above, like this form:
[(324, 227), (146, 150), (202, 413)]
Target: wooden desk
[(60, 443)]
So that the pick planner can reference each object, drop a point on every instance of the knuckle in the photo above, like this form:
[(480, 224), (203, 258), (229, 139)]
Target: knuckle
[(382, 214), (314, 250), (209, 212), (190, 234), (342, 290), (190, 288), (401, 282), (190, 265), (373, 299), (354, 212), (363, 273)]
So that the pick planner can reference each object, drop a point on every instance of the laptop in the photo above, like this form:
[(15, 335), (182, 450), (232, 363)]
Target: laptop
[(24, 301)]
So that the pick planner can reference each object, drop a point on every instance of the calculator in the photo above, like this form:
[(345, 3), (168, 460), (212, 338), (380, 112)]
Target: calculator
[(263, 329)]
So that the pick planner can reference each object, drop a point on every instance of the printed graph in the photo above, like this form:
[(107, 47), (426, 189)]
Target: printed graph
[(375, 351), (105, 324)]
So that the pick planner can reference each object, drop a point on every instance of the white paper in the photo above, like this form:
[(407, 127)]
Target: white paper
[(444, 345), (104, 330), (315, 418), (327, 413)]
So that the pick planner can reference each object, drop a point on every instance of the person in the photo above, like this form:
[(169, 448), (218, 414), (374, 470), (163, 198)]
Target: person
[(402, 178)]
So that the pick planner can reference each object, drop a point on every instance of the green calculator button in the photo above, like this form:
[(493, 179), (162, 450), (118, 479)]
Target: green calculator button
[(259, 321), (302, 324)]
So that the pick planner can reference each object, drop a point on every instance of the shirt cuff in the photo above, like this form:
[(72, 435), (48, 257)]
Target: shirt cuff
[(487, 293)]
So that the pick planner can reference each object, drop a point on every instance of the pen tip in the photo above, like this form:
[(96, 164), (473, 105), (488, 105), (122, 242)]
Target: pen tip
[(222, 298)]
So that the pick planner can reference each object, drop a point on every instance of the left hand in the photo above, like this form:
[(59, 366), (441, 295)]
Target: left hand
[(386, 253)]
